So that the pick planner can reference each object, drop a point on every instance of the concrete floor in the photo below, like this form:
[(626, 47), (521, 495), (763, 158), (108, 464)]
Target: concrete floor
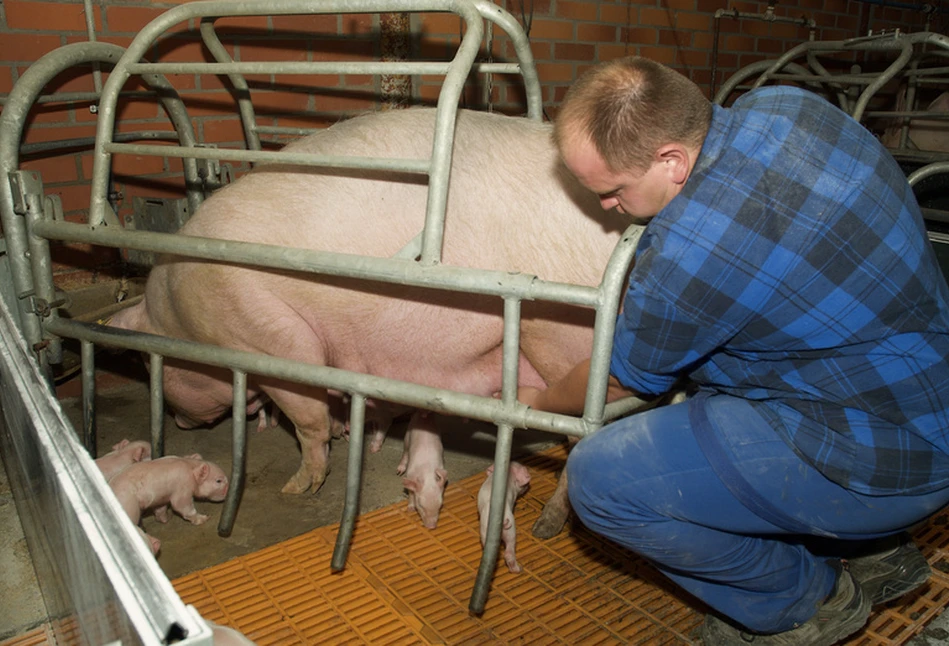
[(265, 515)]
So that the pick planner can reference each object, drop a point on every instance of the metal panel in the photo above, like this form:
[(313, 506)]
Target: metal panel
[(99, 581)]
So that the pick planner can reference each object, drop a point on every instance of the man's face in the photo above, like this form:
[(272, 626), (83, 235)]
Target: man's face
[(637, 194)]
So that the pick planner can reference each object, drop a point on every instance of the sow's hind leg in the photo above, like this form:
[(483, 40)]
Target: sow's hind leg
[(307, 407)]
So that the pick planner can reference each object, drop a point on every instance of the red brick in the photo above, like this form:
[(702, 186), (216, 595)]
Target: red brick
[(59, 132), (50, 113), (53, 169), (739, 43), (345, 103), (691, 58), (440, 23), (316, 23), (48, 16), (73, 196), (358, 24), (17, 47), (640, 36), (549, 72), (185, 49), (696, 21), (6, 79), (656, 17), (577, 10), (541, 51), (269, 50), (225, 129), (126, 19), (664, 55), (680, 5), (552, 30), (597, 33), (573, 52), (610, 52), (618, 14)]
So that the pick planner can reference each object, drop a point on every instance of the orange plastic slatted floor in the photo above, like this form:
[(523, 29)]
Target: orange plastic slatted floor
[(404, 584)]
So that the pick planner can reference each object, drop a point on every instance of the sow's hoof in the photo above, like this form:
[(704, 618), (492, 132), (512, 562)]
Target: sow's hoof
[(551, 521), (301, 481)]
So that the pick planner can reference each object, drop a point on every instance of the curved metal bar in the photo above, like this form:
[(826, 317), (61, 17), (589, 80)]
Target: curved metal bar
[(244, 105), (936, 168), (522, 48), (217, 8), (904, 57), (12, 123), (748, 71), (238, 454)]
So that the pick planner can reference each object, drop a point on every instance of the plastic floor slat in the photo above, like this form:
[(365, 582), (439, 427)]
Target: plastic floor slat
[(404, 585)]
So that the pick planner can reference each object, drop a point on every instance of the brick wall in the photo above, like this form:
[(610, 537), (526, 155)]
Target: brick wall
[(566, 36)]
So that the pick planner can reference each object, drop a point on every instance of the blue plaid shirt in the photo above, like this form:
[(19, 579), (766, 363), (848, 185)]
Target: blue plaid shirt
[(793, 270)]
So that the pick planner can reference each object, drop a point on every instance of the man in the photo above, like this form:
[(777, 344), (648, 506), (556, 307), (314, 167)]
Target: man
[(785, 271)]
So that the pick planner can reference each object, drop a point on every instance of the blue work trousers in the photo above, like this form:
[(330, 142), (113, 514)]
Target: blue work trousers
[(735, 535)]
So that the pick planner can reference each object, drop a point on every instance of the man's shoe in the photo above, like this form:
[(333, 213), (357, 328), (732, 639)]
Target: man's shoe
[(842, 614), (899, 567)]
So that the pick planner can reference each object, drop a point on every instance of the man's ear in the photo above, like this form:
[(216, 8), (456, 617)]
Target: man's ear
[(677, 160)]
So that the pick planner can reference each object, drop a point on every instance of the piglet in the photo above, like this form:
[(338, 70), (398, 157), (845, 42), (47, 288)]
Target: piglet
[(424, 474), (123, 454), (518, 480), (152, 543), (170, 480), (227, 636)]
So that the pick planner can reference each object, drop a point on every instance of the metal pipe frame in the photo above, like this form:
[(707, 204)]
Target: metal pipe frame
[(506, 413), (909, 47)]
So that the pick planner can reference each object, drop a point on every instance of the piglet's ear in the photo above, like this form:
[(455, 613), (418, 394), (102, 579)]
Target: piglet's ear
[(120, 445), (202, 471), (194, 456), (410, 484), (441, 477), (490, 469), (141, 453)]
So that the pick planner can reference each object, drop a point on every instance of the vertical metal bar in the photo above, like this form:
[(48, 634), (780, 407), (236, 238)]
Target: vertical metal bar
[(88, 367), (502, 458), (91, 33), (238, 454), (357, 419), (156, 395)]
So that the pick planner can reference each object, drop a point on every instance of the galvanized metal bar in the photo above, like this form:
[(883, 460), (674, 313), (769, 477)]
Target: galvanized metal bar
[(245, 107), (87, 354), (215, 8), (156, 399), (525, 57), (301, 68), (446, 112), (357, 422), (49, 351), (936, 168), (12, 122), (238, 454), (96, 572), (393, 270), (413, 395), (502, 459), (303, 159)]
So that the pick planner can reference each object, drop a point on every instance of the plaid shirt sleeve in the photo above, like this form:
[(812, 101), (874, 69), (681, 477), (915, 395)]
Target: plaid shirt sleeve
[(794, 270)]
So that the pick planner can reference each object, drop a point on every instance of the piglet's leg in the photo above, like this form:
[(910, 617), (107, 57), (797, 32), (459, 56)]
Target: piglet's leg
[(183, 504)]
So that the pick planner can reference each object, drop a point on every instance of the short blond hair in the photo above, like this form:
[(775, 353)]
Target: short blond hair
[(628, 108)]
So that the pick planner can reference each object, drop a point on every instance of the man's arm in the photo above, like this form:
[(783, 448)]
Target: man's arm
[(568, 395)]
